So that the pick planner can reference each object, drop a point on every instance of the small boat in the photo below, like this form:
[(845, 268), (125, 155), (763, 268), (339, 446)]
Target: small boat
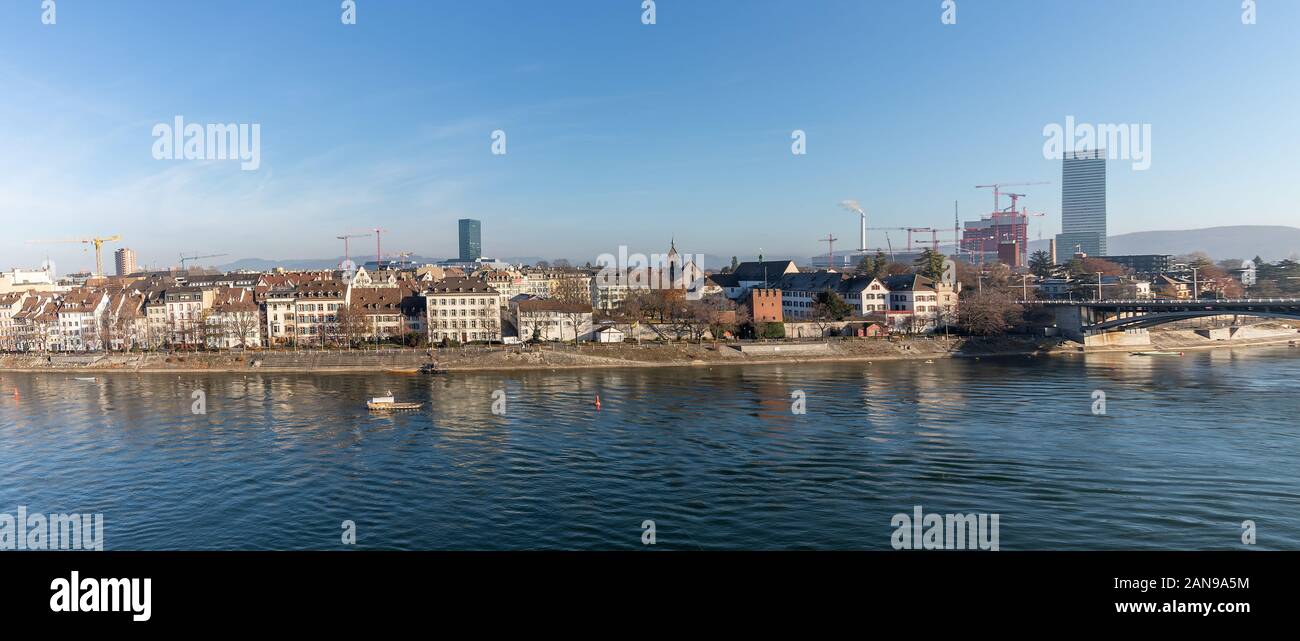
[(1155, 353), (90, 379), (406, 370), (432, 369), (387, 403)]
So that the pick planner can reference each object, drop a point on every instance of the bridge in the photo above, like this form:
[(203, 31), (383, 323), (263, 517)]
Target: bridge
[(1084, 318)]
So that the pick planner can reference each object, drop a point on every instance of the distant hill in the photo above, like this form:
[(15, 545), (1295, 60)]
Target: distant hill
[(1270, 242), (262, 264)]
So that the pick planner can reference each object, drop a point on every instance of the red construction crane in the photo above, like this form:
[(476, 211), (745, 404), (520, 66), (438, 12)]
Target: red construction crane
[(1017, 229)]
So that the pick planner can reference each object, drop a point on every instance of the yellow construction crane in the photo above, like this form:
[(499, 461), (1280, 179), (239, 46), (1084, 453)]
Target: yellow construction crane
[(97, 242)]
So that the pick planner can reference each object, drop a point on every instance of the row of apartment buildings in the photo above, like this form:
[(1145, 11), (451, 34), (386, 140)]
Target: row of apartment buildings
[(326, 307), (271, 309), (777, 291)]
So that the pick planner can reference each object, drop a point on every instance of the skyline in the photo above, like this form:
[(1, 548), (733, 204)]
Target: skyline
[(622, 133)]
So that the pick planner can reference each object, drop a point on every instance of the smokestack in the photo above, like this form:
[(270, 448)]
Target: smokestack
[(1051, 249), (853, 206), (863, 235)]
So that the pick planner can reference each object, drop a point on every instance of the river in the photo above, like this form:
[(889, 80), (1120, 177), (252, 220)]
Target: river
[(1187, 449)]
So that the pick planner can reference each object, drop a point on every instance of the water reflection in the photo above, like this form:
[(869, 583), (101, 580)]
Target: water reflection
[(1189, 447)]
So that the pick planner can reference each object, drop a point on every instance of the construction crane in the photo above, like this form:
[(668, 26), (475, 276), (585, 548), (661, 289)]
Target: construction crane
[(830, 250), (997, 190), (345, 238), (198, 257), (96, 241), (379, 255), (1019, 222)]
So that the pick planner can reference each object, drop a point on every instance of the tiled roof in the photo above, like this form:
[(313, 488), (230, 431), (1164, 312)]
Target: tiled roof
[(548, 305), (752, 271), (459, 286)]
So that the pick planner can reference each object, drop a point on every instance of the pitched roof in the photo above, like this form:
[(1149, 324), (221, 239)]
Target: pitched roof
[(234, 300), (377, 300), (752, 271), (810, 281), (551, 305), (908, 283), (321, 289), (452, 285)]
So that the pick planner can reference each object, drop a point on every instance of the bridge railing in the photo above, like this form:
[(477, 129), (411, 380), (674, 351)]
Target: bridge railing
[(1164, 301)]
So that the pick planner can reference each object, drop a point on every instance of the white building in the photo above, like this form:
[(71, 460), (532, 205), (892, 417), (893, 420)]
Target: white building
[(919, 304), (609, 334), (79, 327), (553, 320), (14, 280), (235, 320), (463, 310)]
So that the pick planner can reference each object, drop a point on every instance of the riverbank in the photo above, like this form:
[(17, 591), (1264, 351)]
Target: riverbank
[(587, 356), (543, 357)]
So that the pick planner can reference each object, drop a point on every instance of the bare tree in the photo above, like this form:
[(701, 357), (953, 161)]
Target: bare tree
[(577, 304), (988, 313), (244, 325), (352, 325)]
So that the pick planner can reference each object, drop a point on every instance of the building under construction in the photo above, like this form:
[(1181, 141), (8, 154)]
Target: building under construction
[(983, 240), (1002, 235)]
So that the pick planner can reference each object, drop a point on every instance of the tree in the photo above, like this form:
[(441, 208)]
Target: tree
[(734, 263), (989, 313), (577, 300), (771, 330), (351, 324), (874, 266), (1094, 265), (1041, 265), (930, 263), (244, 325), (636, 305), (828, 308)]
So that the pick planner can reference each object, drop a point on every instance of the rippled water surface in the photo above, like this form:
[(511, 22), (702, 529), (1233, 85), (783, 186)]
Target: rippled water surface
[(1188, 449)]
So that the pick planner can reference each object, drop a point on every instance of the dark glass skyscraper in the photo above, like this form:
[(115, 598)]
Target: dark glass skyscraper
[(471, 239), (1083, 203)]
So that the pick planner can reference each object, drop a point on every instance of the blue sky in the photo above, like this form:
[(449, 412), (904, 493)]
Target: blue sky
[(621, 133)]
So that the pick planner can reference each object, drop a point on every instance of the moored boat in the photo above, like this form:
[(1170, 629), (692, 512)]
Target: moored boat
[(388, 403)]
